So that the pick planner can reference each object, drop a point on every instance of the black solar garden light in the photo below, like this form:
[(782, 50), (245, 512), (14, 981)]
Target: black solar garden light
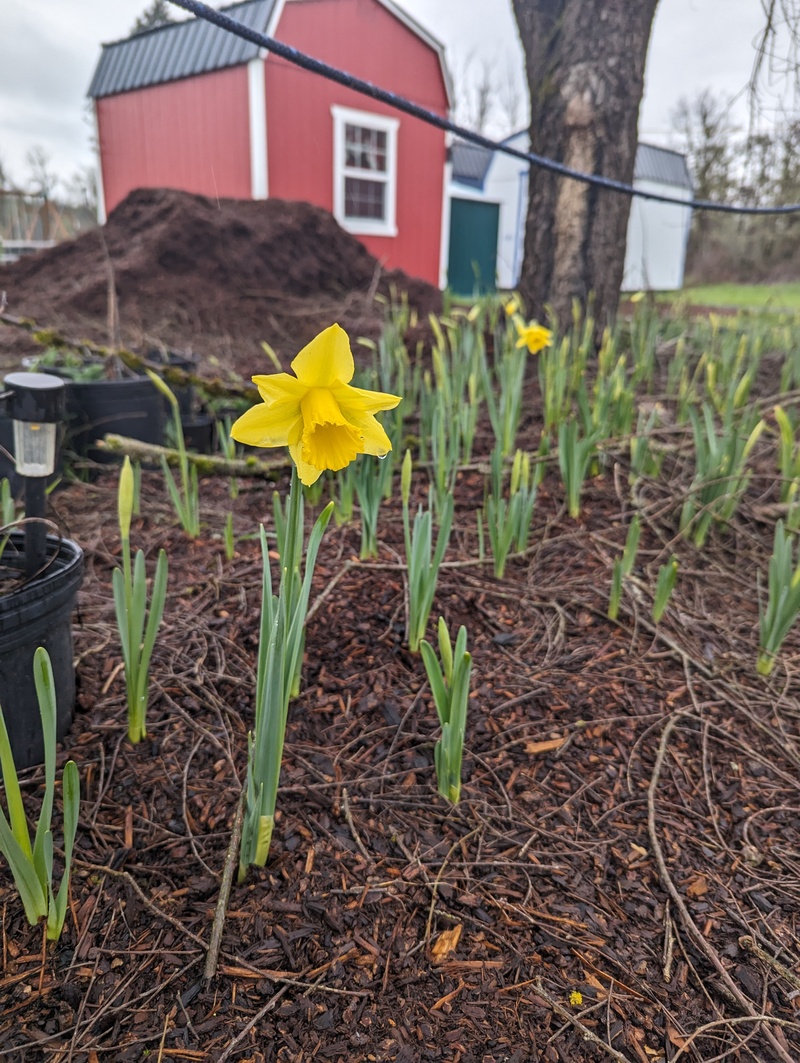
[(35, 403)]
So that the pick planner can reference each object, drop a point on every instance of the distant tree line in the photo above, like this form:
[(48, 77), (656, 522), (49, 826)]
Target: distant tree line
[(753, 168)]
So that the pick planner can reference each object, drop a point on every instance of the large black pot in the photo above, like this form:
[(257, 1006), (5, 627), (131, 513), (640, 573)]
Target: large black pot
[(36, 612), (131, 407)]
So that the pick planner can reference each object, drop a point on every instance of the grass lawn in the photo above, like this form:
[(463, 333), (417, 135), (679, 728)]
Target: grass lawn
[(741, 296)]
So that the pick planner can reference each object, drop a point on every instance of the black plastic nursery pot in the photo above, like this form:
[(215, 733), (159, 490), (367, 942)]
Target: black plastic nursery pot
[(36, 612), (199, 433), (131, 407)]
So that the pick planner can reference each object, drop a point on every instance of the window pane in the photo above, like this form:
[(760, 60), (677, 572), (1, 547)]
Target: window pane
[(365, 148), (364, 199)]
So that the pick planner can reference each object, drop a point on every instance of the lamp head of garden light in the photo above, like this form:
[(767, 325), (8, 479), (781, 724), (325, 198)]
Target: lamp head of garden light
[(36, 406), (35, 403)]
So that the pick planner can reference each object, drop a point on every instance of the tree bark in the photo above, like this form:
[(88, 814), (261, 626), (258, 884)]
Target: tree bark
[(585, 64)]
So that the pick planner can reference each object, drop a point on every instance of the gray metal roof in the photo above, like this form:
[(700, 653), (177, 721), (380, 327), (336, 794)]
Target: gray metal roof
[(470, 163), (177, 50), (661, 165)]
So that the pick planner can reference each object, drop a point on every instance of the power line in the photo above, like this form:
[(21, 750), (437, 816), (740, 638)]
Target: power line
[(366, 88)]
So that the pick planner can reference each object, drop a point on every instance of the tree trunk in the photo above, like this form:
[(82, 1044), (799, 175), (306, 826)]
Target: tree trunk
[(585, 67)]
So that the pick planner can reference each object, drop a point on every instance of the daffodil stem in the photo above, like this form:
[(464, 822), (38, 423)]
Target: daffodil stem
[(281, 642)]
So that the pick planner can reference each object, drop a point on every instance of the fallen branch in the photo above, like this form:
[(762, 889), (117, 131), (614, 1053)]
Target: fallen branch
[(206, 464), (159, 913), (224, 892), (749, 943)]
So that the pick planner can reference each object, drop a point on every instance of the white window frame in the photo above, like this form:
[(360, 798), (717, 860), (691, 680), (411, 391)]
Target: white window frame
[(343, 116)]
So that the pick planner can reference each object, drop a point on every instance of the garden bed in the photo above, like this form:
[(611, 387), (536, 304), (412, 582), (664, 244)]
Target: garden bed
[(627, 828), (620, 878)]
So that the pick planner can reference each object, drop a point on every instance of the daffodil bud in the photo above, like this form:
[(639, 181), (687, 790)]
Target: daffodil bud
[(438, 365), (125, 498), (163, 387), (405, 479), (516, 469), (436, 329), (711, 375), (445, 650), (525, 475)]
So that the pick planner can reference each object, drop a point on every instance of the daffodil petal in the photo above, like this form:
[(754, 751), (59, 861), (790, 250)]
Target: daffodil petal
[(374, 438), (353, 401), (308, 474), (264, 426), (325, 361), (280, 388)]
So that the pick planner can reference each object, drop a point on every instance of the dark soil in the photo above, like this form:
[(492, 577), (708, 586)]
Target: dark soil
[(213, 276), (627, 828)]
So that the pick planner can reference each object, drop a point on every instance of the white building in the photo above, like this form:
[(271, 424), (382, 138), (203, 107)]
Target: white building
[(489, 190)]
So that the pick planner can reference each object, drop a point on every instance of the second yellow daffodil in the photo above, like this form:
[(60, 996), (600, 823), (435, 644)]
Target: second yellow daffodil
[(533, 336), (324, 421)]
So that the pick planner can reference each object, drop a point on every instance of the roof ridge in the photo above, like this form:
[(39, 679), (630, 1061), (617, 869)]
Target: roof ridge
[(176, 24)]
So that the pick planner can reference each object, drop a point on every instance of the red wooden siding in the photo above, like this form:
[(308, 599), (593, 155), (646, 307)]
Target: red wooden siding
[(191, 134), (362, 37)]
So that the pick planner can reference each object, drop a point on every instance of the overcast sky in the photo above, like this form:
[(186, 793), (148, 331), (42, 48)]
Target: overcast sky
[(49, 48)]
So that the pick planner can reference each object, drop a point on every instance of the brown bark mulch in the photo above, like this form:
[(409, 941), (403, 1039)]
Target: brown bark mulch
[(627, 829)]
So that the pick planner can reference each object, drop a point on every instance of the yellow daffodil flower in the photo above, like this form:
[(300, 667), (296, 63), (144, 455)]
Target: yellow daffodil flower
[(512, 306), (533, 336), (324, 421), (637, 297)]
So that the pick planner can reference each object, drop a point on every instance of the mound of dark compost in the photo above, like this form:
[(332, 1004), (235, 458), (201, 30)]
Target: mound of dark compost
[(216, 276)]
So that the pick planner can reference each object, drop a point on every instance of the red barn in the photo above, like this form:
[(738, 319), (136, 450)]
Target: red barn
[(190, 106)]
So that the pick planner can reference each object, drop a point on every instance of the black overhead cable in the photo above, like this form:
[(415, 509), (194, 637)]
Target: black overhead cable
[(316, 66)]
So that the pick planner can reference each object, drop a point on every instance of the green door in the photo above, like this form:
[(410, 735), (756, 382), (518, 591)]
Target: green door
[(472, 258)]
